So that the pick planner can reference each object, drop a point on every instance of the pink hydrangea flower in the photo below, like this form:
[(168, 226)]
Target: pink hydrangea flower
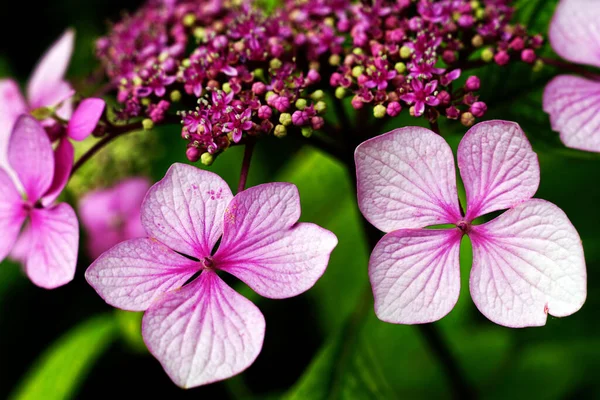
[(573, 102), (527, 263), (199, 328), (112, 215), (48, 244)]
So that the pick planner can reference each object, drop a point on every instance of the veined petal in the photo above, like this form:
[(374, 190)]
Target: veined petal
[(134, 273), (574, 33), (50, 71), (498, 167), (185, 209), (573, 104), (203, 333), (264, 246), (415, 275), (527, 263), (85, 118), (63, 164), (406, 179), (12, 104), (12, 214), (52, 257), (30, 154)]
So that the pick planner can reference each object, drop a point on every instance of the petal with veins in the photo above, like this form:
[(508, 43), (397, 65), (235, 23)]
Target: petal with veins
[(85, 118), (63, 164), (12, 214)]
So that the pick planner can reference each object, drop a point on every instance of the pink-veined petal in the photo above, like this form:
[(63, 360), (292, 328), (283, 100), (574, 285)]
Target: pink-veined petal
[(574, 33), (12, 104), (30, 154), (63, 164), (12, 214), (406, 179), (264, 246), (134, 273), (527, 263), (185, 209), (573, 104), (85, 118), (498, 167), (52, 257), (203, 333), (415, 275), (49, 73)]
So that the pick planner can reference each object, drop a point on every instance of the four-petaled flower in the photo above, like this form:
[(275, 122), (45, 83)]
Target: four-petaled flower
[(527, 263), (48, 244), (573, 102), (421, 95), (199, 328), (112, 215)]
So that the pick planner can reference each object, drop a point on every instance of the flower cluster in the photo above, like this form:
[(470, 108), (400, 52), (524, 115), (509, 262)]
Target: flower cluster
[(237, 72)]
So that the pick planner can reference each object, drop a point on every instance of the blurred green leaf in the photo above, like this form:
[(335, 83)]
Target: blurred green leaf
[(59, 372)]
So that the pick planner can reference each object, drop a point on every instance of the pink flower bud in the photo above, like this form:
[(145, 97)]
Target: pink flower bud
[(192, 154), (517, 44), (452, 112), (393, 109), (473, 83), (528, 56), (478, 109), (264, 112), (444, 97), (502, 58), (259, 88), (317, 122)]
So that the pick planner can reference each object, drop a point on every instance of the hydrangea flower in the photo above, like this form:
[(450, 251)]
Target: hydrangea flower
[(112, 215), (199, 328), (48, 243), (527, 263), (573, 102)]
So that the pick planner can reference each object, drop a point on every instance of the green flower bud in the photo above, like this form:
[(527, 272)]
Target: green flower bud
[(175, 96), (226, 87), (280, 131), (538, 66), (189, 19), (207, 159), (320, 107), (379, 111), (285, 119), (340, 92), (275, 63), (147, 124), (357, 71), (405, 52), (335, 60), (306, 131), (301, 104), (400, 67), (487, 55), (317, 95)]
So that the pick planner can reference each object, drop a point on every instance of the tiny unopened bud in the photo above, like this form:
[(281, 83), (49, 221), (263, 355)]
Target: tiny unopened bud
[(405, 52), (189, 19), (393, 109), (502, 58), (192, 153), (264, 112), (275, 63), (320, 107), (444, 97), (357, 71), (379, 111), (285, 119), (478, 109), (340, 92), (467, 119), (317, 122), (528, 56), (306, 131), (317, 95), (538, 65), (473, 83), (301, 104), (226, 87), (145, 101), (147, 124), (400, 67), (280, 131), (357, 50), (199, 33), (477, 41), (137, 81), (452, 112), (412, 111), (357, 103), (487, 55), (175, 96), (207, 158), (449, 56), (269, 95), (335, 60)]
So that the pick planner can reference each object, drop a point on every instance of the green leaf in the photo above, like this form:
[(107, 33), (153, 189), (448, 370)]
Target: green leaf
[(60, 371)]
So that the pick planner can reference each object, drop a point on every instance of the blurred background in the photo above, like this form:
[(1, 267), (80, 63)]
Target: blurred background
[(66, 343)]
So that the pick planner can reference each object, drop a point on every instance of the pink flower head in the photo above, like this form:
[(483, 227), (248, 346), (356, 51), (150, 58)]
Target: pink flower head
[(199, 328), (48, 244), (573, 102), (421, 95), (46, 88), (111, 216), (527, 263)]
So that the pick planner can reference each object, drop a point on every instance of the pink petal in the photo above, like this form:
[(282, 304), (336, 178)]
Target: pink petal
[(54, 234), (574, 107), (12, 214), (130, 194), (574, 31), (30, 154), (50, 71), (85, 118), (134, 273), (415, 275), (63, 164), (264, 246), (203, 333), (406, 179), (497, 166), (527, 263), (185, 210), (12, 105)]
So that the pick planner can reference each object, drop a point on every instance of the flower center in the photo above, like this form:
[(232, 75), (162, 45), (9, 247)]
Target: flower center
[(207, 263), (464, 226)]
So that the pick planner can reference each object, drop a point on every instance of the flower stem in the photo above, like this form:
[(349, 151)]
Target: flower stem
[(569, 67), (248, 150)]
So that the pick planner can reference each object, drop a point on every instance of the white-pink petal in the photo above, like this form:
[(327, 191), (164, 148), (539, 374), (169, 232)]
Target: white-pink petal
[(527, 263), (133, 274), (406, 179), (573, 104), (415, 275), (185, 210), (12, 104), (85, 118), (575, 31), (30, 154), (63, 164), (498, 167), (12, 214), (49, 73), (54, 235), (264, 246), (204, 332)]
